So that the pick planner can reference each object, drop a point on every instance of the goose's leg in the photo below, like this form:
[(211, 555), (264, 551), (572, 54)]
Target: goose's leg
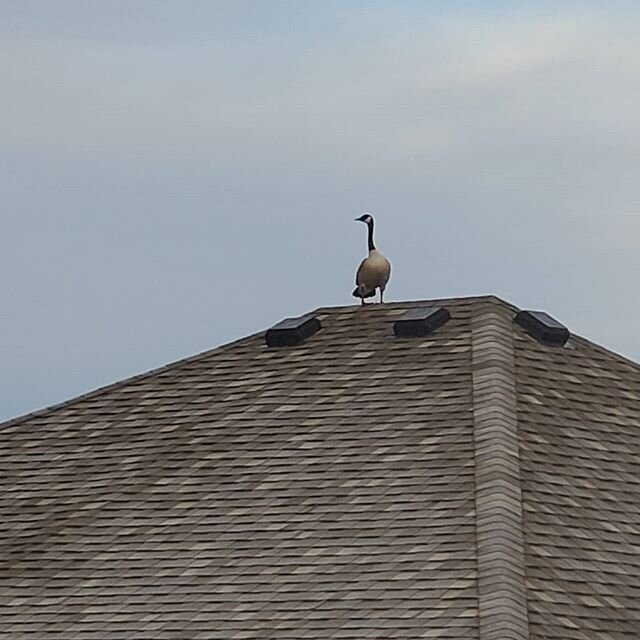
[(381, 293)]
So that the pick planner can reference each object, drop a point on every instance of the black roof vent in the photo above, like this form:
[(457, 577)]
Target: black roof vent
[(292, 331), (543, 327), (420, 322)]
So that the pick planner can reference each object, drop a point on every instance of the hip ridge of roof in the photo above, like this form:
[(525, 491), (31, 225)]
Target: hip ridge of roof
[(502, 597)]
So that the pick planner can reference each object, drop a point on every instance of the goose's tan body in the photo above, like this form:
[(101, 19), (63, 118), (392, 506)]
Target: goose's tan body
[(373, 273)]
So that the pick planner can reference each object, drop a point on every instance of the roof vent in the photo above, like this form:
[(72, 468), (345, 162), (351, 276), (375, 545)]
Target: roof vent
[(543, 327), (292, 331), (420, 322)]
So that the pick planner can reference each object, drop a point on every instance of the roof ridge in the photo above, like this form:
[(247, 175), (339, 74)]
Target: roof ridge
[(605, 351), (403, 303), (208, 352), (201, 355), (502, 600)]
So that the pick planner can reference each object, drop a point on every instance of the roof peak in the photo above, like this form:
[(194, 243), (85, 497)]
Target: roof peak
[(373, 308), (353, 308), (419, 302)]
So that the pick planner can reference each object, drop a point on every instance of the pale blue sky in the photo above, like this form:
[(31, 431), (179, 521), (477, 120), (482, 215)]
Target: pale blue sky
[(176, 174)]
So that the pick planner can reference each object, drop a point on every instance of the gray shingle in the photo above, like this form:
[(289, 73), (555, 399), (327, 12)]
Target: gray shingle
[(472, 484)]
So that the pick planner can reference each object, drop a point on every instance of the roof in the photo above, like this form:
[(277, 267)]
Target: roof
[(473, 484)]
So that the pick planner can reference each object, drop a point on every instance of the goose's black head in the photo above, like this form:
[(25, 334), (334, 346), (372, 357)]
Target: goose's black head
[(366, 218)]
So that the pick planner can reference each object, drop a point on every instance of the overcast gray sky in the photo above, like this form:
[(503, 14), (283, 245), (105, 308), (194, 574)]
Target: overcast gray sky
[(176, 174)]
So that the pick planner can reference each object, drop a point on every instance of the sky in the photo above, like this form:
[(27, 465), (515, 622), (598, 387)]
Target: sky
[(177, 174)]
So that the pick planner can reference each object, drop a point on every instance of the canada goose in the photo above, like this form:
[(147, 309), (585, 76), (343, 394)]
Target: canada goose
[(374, 271)]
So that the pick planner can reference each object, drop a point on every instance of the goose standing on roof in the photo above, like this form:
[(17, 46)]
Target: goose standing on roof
[(374, 271)]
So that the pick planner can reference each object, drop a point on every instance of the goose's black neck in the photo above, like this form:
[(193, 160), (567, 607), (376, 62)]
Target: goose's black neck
[(370, 237)]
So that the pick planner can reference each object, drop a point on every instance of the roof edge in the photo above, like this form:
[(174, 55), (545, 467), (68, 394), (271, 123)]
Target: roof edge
[(111, 386), (502, 597), (86, 395), (431, 301)]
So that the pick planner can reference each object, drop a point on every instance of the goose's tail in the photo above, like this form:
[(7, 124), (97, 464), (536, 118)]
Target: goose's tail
[(369, 294)]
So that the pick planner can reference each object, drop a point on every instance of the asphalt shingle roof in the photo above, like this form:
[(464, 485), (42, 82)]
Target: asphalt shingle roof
[(473, 484)]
